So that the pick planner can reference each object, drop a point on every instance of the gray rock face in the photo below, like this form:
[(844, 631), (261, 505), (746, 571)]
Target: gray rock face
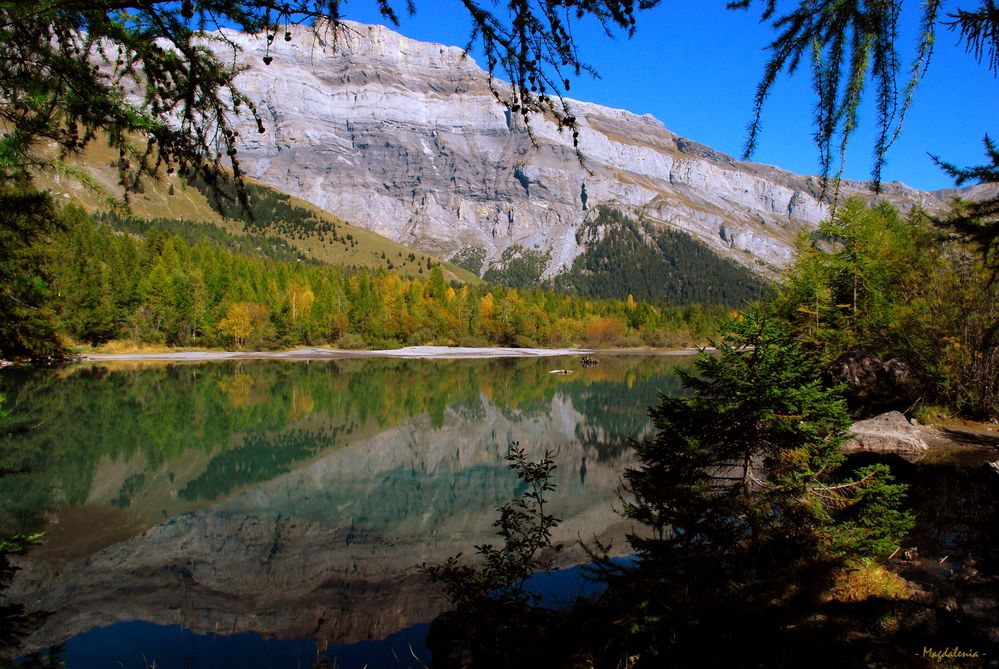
[(404, 138), (888, 433)]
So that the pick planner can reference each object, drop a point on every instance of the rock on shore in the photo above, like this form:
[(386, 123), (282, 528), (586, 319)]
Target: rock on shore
[(888, 433)]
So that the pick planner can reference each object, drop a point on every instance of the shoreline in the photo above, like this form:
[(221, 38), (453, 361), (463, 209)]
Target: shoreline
[(408, 352)]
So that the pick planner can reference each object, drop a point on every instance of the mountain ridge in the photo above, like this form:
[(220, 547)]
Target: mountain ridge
[(405, 138)]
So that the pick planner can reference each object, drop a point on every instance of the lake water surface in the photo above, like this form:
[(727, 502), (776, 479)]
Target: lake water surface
[(261, 513)]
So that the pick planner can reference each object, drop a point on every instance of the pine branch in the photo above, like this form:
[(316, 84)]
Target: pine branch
[(979, 30)]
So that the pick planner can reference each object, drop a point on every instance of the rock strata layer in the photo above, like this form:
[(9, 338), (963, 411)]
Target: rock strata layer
[(405, 138)]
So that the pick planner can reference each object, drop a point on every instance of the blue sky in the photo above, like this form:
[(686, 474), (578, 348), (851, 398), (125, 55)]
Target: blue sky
[(694, 65)]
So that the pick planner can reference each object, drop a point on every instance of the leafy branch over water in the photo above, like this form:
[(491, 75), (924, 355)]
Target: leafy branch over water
[(525, 528), (492, 611)]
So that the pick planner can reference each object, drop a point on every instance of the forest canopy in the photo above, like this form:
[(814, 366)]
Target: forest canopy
[(91, 283)]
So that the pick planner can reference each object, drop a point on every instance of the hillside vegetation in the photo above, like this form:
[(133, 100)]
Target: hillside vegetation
[(621, 257), (91, 180), (901, 288), (625, 257), (88, 281), (316, 232)]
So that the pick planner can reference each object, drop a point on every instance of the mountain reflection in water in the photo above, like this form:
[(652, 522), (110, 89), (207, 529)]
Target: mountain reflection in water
[(292, 501)]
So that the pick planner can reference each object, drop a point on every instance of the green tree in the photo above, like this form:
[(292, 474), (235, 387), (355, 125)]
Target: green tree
[(186, 316), (745, 500), (28, 325), (872, 280), (367, 313), (863, 289), (436, 288), (979, 220)]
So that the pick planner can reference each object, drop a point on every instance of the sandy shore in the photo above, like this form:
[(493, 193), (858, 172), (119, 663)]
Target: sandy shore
[(433, 352)]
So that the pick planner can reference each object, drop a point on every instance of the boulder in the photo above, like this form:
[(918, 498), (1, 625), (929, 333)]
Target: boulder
[(888, 433)]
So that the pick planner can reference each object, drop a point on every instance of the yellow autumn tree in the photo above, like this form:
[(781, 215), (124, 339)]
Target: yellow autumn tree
[(300, 299), (242, 321), (237, 324)]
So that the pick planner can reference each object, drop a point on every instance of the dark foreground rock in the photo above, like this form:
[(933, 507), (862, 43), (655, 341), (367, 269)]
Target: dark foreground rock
[(873, 385)]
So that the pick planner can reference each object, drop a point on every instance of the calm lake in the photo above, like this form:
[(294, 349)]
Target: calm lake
[(262, 513)]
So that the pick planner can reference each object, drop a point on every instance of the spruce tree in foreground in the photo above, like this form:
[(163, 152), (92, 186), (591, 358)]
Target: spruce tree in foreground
[(745, 502), (28, 324)]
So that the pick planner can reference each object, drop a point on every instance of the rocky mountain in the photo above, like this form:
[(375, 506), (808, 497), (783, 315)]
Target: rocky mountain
[(404, 138)]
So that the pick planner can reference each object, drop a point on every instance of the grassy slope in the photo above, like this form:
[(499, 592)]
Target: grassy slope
[(187, 203)]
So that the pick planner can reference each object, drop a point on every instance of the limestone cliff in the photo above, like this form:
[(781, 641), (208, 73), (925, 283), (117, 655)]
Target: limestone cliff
[(405, 138)]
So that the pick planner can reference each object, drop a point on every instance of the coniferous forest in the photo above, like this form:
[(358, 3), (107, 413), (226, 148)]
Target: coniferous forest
[(634, 258), (173, 284), (622, 257)]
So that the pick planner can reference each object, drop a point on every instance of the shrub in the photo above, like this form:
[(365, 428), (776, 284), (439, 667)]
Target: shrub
[(351, 340), (603, 330)]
